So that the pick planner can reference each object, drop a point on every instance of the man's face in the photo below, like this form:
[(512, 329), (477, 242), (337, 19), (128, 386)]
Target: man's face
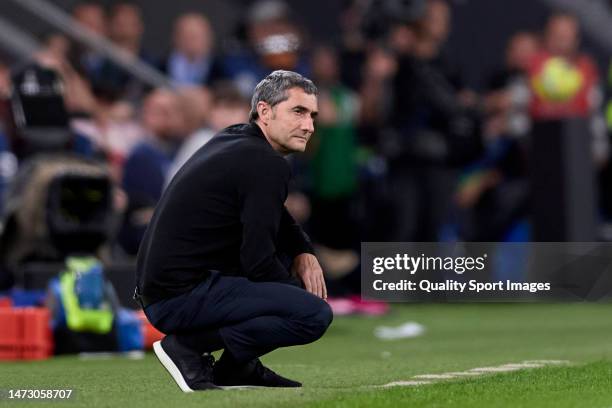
[(193, 36), (162, 115), (126, 24), (521, 50), (289, 124), (562, 37), (91, 16), (224, 114), (437, 20)]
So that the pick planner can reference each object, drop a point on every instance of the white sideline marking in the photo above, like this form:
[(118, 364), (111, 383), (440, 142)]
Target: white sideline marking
[(495, 369), (546, 362), (435, 376), (405, 383), (504, 368), (472, 372), (527, 365), (464, 373)]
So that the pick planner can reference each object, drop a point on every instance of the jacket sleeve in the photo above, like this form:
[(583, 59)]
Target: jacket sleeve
[(292, 239), (262, 189)]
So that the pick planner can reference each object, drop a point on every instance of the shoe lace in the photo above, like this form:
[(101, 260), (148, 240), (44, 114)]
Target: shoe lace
[(203, 367), (208, 362)]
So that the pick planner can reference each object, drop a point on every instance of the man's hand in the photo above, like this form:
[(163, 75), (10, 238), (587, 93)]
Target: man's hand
[(307, 268)]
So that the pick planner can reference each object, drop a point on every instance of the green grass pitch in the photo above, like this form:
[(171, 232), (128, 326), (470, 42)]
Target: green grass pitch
[(341, 369)]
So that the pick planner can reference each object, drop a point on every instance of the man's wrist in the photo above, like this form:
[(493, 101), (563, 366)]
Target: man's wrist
[(302, 254), (299, 262)]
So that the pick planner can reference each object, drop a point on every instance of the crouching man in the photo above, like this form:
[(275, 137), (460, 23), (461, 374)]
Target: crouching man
[(223, 265)]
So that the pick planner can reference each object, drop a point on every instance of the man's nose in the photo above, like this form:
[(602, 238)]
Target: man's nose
[(308, 125)]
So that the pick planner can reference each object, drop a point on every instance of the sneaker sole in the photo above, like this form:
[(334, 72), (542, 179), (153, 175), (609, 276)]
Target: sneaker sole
[(247, 387), (239, 387), (169, 365)]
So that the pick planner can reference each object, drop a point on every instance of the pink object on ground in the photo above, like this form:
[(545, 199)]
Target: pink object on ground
[(341, 306), (369, 307)]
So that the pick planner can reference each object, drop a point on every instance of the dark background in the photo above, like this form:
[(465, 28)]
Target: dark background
[(475, 47)]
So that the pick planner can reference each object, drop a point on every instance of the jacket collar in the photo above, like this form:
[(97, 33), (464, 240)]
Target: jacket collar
[(255, 130)]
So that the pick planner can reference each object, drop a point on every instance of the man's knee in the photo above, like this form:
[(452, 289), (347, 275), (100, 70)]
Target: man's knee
[(320, 320)]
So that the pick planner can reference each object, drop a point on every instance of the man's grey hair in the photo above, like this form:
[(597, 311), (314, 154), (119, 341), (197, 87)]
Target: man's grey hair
[(273, 89)]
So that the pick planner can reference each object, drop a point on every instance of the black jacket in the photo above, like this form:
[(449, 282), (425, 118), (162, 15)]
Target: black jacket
[(224, 210)]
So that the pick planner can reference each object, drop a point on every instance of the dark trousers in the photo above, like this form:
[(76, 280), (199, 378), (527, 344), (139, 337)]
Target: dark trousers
[(252, 318)]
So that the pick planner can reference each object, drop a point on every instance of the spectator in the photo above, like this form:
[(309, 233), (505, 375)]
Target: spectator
[(434, 129), (434, 29), (353, 44), (192, 61), (521, 50), (196, 102), (228, 107), (334, 155), (147, 165), (366, 24), (335, 185), (273, 42), (492, 192), (58, 45), (100, 125), (508, 97), (377, 90), (563, 79), (92, 17), (112, 133), (126, 29)]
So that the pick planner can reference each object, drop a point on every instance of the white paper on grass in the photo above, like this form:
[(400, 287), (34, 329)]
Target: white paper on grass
[(403, 331)]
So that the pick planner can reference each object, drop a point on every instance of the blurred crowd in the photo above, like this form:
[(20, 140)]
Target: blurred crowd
[(403, 150)]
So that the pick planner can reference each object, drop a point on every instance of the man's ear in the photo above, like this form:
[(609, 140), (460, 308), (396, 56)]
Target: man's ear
[(264, 111)]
